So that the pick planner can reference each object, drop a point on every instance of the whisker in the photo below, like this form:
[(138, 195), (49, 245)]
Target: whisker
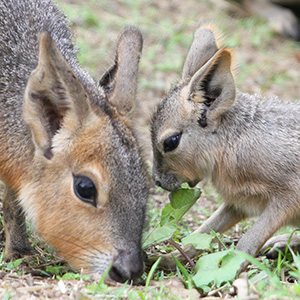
[(82, 245), (89, 256)]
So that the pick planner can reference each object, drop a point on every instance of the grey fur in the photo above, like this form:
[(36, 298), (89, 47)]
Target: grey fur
[(38, 154), (249, 148)]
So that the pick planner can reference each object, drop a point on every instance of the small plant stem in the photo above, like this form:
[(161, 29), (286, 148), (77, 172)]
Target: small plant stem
[(151, 273), (176, 245), (216, 291)]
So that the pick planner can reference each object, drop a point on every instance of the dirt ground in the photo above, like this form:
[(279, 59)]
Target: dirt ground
[(266, 63)]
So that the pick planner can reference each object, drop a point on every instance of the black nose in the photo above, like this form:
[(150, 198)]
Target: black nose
[(156, 180), (128, 265), (158, 183)]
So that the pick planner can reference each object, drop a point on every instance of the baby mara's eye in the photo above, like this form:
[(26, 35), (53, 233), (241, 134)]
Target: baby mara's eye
[(172, 142), (85, 189)]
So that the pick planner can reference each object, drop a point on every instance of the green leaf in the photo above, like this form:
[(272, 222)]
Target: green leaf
[(54, 269), (1, 256), (167, 214), (185, 273), (297, 289), (217, 267), (151, 273), (200, 241), (184, 197), (181, 201), (7, 295), (274, 280), (76, 276), (101, 284), (160, 234), (14, 263)]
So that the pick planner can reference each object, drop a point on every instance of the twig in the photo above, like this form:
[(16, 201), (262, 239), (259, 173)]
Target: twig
[(34, 288), (216, 291), (177, 246)]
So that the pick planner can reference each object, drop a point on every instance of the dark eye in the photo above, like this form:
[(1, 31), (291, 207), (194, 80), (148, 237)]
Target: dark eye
[(172, 142), (85, 189)]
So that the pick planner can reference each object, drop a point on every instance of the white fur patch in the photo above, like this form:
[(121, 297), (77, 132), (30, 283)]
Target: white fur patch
[(27, 200)]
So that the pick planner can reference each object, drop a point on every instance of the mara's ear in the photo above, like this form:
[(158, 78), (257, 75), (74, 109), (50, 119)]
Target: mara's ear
[(120, 81), (204, 47), (214, 86), (53, 92)]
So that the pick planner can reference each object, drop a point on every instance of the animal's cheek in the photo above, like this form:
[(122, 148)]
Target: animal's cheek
[(183, 166), (82, 237)]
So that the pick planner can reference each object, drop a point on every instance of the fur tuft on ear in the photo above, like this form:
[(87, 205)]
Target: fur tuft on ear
[(214, 86)]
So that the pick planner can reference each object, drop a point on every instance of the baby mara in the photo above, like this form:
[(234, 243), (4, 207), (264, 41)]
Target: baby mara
[(248, 146), (67, 153)]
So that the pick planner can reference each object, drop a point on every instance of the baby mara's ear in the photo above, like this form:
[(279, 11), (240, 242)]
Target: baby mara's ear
[(120, 81), (209, 71), (205, 44), (53, 92), (214, 86)]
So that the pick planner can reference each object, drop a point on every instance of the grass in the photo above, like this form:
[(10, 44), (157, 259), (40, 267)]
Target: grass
[(214, 273), (266, 64)]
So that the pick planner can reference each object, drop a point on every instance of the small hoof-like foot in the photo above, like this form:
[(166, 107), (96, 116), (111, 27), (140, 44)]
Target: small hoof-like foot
[(271, 247), (14, 253)]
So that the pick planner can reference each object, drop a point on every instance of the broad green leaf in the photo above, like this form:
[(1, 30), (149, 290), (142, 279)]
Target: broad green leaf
[(217, 268), (160, 234), (167, 214), (200, 241), (181, 201), (184, 197)]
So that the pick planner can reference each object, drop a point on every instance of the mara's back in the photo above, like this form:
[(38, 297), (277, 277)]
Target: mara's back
[(21, 21)]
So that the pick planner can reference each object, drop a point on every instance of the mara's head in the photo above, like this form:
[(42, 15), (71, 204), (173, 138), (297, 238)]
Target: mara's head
[(87, 189), (185, 126)]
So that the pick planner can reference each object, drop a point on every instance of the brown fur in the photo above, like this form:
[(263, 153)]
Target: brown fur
[(58, 126)]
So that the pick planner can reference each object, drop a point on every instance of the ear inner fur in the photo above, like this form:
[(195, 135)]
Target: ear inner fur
[(52, 92), (213, 85)]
